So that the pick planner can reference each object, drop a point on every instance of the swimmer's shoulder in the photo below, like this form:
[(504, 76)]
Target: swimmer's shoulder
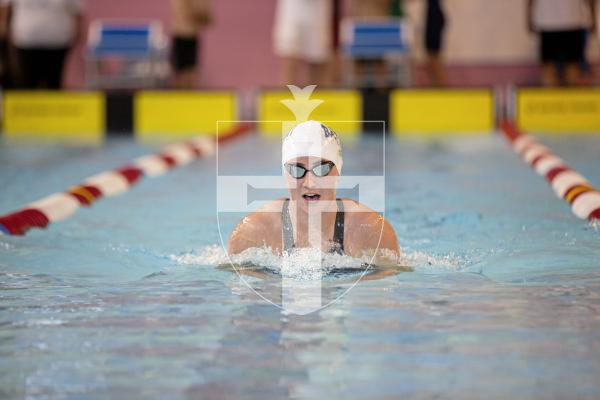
[(357, 213), (258, 229), (266, 214), (272, 207), (364, 227)]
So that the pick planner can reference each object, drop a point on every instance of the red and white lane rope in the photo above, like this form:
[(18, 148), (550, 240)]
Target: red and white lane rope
[(60, 206), (567, 183)]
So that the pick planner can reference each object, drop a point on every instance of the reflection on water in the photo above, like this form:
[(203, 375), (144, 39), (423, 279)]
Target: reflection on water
[(197, 331), (503, 301), (294, 281), (300, 265)]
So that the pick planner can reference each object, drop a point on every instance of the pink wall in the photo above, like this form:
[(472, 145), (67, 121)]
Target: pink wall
[(237, 48)]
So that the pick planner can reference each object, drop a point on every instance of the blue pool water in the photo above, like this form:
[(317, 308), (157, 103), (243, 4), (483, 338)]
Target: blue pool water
[(125, 300)]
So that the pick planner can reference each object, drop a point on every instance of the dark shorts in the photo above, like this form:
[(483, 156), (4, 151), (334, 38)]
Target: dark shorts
[(42, 68), (335, 24), (434, 30), (562, 46), (184, 53)]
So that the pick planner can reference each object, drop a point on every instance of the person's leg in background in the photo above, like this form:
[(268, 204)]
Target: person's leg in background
[(54, 62), (562, 48), (287, 40), (31, 63), (15, 71), (185, 60), (434, 30), (550, 57), (335, 67), (5, 78), (585, 66), (289, 71), (302, 35), (437, 71), (550, 75), (318, 51), (574, 49), (319, 74), (573, 74)]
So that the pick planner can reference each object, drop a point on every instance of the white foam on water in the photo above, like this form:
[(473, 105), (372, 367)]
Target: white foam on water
[(425, 262), (208, 255), (6, 246), (32, 323), (300, 262)]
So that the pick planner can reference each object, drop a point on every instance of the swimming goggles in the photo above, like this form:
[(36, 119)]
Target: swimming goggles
[(298, 171)]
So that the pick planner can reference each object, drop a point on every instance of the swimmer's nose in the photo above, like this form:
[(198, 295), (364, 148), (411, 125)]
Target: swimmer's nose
[(310, 181)]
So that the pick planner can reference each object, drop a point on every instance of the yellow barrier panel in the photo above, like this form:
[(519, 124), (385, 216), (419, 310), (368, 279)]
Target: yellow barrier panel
[(76, 117), (558, 110), (172, 116), (469, 111), (341, 110)]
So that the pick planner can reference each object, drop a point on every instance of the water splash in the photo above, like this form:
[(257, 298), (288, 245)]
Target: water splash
[(301, 262), (595, 225), (426, 263), (207, 255)]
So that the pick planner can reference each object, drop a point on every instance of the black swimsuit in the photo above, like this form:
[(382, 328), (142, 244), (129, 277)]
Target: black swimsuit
[(287, 230)]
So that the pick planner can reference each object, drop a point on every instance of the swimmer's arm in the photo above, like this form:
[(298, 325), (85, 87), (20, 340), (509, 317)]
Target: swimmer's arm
[(256, 230), (365, 239), (388, 238), (244, 236), (388, 251), (374, 231)]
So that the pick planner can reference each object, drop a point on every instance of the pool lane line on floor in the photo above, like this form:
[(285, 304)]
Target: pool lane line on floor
[(567, 183), (60, 206)]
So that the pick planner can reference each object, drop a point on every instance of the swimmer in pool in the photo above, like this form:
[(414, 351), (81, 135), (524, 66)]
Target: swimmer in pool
[(312, 163)]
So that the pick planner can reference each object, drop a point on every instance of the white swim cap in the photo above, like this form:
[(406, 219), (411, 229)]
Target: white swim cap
[(312, 139)]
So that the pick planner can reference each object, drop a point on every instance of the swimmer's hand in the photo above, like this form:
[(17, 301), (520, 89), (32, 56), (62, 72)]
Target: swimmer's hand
[(243, 266), (381, 271)]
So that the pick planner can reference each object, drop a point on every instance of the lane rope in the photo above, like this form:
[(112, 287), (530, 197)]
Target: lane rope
[(567, 183), (60, 206)]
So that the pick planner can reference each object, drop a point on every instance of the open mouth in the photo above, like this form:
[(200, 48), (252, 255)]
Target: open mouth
[(311, 197)]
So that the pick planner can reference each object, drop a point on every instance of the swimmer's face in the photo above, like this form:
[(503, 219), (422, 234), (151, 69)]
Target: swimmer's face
[(312, 192)]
